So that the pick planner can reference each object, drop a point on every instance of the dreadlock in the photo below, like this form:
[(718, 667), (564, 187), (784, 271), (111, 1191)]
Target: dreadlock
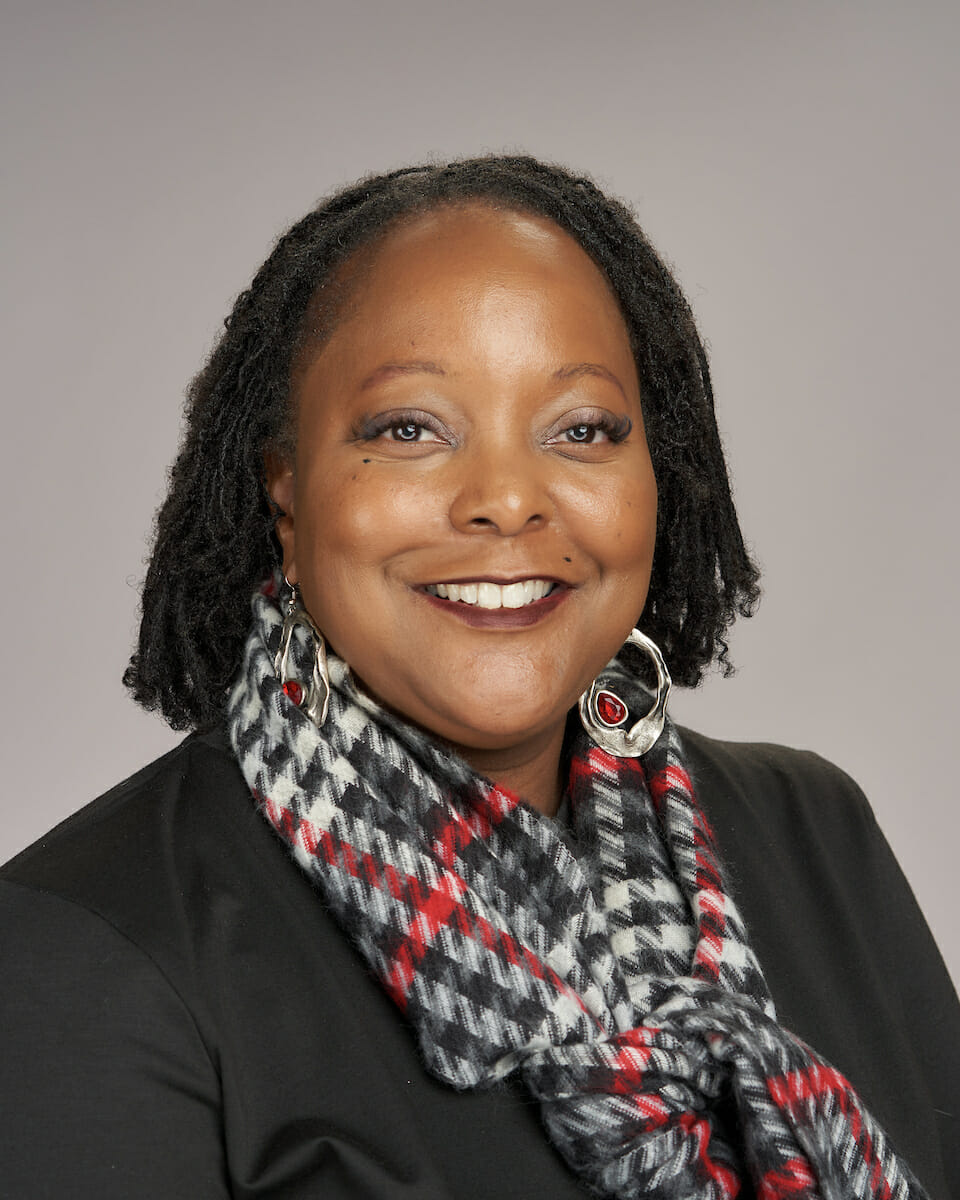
[(214, 538)]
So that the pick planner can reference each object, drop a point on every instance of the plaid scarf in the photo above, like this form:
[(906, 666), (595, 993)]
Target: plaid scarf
[(616, 979)]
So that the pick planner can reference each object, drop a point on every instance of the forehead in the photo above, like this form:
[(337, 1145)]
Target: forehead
[(470, 256), (475, 233)]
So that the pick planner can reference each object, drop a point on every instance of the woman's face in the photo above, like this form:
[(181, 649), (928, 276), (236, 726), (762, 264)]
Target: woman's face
[(472, 423)]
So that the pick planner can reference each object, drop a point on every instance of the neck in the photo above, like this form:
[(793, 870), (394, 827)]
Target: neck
[(531, 770)]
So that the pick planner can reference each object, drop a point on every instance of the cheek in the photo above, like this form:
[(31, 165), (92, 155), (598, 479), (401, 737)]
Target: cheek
[(617, 522), (359, 514), (352, 528)]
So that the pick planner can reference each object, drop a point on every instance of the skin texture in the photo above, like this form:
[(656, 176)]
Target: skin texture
[(487, 336)]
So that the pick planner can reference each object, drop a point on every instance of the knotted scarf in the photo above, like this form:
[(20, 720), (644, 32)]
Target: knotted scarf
[(615, 977)]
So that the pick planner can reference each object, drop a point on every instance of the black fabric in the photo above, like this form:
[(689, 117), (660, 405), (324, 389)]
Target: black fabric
[(179, 1016)]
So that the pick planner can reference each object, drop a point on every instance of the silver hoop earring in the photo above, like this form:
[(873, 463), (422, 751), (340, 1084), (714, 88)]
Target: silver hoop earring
[(315, 698), (604, 714)]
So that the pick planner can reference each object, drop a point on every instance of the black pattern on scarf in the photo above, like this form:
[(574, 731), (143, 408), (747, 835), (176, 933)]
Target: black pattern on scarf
[(618, 982)]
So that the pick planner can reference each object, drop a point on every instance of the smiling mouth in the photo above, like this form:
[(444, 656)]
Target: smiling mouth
[(485, 595)]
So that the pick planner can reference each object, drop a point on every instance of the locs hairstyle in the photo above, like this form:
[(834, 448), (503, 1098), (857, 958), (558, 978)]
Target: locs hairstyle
[(214, 540)]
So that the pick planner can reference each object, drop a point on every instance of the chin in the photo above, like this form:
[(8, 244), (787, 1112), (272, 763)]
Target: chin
[(501, 728), (493, 708)]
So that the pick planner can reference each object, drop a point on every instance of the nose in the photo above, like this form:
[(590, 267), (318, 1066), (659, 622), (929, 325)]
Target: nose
[(500, 491)]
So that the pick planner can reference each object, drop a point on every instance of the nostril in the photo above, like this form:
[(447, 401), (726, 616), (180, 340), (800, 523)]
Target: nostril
[(490, 523), (496, 509)]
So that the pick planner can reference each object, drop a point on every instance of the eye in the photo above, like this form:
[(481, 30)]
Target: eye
[(588, 428), (409, 427), (410, 431), (584, 434)]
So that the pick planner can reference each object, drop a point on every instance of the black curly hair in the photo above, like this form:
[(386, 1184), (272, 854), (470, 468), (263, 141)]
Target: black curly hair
[(214, 540)]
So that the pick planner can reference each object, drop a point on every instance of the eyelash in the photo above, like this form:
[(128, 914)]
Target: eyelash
[(375, 427), (616, 429)]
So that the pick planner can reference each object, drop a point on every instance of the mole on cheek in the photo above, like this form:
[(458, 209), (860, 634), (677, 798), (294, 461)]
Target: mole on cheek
[(366, 460)]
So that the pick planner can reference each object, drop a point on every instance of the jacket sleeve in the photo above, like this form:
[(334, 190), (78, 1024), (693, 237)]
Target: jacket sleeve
[(106, 1089), (923, 991)]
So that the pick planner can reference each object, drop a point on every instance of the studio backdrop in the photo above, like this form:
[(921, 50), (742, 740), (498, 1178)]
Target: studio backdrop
[(795, 163)]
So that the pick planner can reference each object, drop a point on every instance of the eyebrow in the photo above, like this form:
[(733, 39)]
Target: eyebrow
[(578, 370), (390, 369)]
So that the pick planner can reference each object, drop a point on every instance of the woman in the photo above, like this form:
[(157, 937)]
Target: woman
[(456, 443)]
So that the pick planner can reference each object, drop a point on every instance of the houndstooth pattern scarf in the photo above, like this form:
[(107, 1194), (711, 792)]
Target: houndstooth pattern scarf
[(617, 980)]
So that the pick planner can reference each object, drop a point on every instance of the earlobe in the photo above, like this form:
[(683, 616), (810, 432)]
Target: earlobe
[(281, 488)]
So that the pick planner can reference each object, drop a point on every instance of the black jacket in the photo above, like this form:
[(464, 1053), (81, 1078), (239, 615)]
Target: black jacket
[(180, 1017)]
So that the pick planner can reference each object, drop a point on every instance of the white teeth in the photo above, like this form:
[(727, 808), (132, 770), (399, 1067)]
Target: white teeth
[(489, 595), (493, 595), (512, 596)]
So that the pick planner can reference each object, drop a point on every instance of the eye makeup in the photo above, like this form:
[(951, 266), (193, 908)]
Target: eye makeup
[(586, 423), (370, 427)]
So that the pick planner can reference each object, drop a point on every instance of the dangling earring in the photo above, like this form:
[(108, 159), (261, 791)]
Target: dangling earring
[(604, 714), (315, 699)]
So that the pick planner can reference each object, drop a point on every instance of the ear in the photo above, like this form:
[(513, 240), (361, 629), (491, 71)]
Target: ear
[(281, 488)]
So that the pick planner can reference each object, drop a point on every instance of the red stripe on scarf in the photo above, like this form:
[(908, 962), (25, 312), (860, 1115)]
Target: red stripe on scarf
[(460, 829), (598, 762), (673, 776), (817, 1083), (711, 926), (790, 1180), (727, 1180), (812, 1083), (436, 907), (630, 1062), (628, 1067), (443, 910), (712, 917)]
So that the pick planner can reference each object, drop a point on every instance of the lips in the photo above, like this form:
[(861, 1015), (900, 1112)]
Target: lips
[(488, 604), (486, 595)]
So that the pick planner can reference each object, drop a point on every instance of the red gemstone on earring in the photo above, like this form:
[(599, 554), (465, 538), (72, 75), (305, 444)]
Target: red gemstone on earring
[(610, 708), (293, 691)]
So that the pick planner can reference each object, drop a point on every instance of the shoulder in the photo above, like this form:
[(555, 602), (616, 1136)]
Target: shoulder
[(152, 884), (151, 850), (748, 764), (790, 823), (771, 784), (102, 1021), (130, 816)]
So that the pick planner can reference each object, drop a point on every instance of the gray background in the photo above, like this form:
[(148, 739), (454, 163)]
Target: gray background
[(796, 162)]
